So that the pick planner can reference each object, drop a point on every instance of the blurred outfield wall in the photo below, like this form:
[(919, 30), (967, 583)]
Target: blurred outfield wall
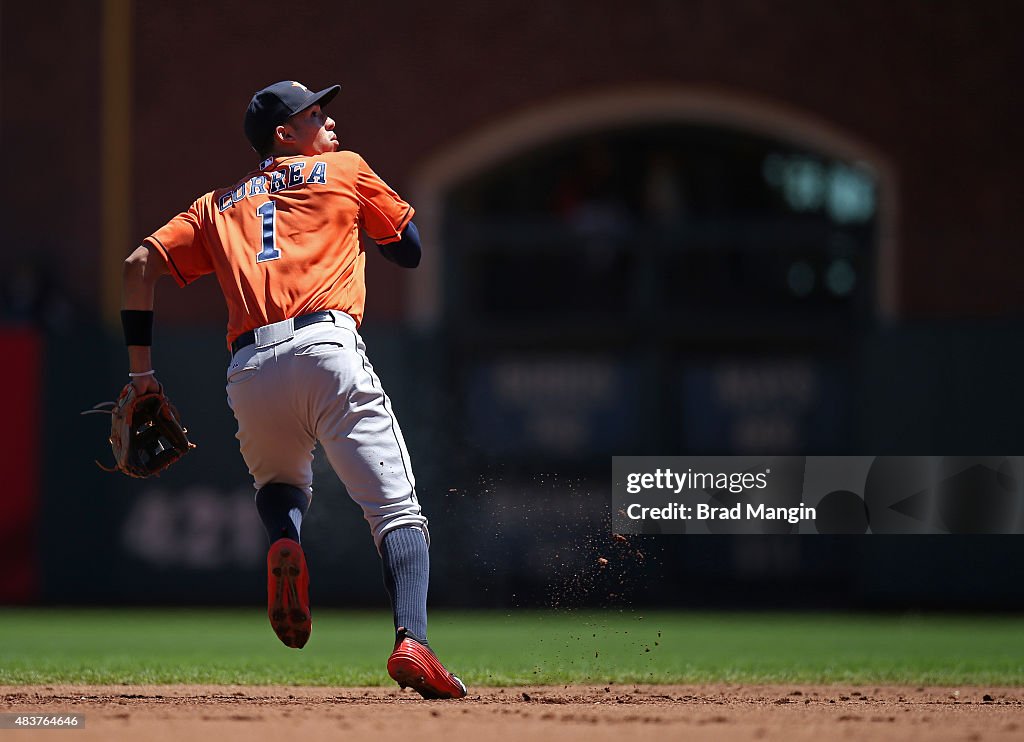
[(504, 534)]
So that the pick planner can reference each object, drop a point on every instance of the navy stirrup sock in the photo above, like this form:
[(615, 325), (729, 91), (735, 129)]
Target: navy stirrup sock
[(281, 508), (406, 565)]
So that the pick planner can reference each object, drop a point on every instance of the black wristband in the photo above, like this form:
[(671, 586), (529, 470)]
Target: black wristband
[(138, 326)]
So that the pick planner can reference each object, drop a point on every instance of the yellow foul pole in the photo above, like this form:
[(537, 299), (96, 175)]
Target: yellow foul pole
[(115, 174)]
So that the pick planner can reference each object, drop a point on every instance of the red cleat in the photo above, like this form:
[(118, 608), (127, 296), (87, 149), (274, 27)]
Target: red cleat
[(288, 593), (414, 665)]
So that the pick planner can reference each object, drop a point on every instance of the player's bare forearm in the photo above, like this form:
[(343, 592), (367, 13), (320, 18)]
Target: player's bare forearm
[(141, 271)]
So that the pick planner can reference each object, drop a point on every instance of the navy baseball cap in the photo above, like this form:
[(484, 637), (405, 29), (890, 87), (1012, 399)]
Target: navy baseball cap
[(273, 105)]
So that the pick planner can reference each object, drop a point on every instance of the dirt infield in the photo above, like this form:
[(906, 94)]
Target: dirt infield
[(614, 712)]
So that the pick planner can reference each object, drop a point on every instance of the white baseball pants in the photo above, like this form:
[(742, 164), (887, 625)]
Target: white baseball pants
[(292, 388)]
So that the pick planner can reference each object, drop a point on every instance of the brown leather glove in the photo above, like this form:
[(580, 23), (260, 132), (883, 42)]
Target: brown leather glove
[(146, 435)]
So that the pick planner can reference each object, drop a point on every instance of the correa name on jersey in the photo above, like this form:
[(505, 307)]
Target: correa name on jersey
[(286, 176)]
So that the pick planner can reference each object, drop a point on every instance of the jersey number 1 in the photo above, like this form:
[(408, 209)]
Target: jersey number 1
[(268, 251)]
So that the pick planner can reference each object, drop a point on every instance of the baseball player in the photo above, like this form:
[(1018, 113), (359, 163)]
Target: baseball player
[(283, 242)]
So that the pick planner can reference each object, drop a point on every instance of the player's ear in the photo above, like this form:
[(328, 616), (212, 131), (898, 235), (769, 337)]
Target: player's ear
[(284, 134)]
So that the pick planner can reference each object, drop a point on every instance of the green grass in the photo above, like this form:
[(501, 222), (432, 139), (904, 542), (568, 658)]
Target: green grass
[(501, 648)]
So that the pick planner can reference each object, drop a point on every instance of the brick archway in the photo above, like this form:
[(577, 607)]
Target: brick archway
[(532, 127)]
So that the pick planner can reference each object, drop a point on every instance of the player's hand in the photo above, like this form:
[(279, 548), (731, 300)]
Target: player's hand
[(146, 384)]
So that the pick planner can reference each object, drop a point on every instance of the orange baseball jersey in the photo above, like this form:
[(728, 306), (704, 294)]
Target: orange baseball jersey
[(284, 240)]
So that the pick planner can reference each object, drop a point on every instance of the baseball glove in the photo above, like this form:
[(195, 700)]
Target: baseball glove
[(146, 435)]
